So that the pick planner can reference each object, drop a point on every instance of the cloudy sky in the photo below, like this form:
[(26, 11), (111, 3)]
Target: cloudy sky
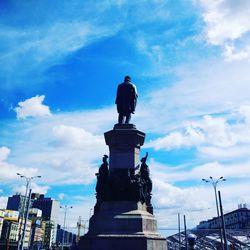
[(60, 66)]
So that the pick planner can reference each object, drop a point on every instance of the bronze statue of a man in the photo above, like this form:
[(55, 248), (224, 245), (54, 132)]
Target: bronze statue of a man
[(126, 99)]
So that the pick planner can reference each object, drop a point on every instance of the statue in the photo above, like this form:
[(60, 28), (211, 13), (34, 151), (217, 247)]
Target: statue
[(146, 180), (124, 184), (126, 99), (103, 170), (102, 185)]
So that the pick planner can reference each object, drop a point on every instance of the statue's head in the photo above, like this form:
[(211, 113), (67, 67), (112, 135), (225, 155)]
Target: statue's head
[(127, 78), (104, 158)]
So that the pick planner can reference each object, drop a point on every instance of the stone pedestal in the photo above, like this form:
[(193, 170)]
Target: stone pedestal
[(124, 143), (123, 216), (122, 226)]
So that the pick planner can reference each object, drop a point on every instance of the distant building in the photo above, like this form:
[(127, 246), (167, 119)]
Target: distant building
[(37, 237), (43, 214), (13, 223), (11, 229), (50, 230), (16, 203), (37, 232), (69, 237), (27, 234), (50, 210), (237, 219), (237, 224), (50, 207)]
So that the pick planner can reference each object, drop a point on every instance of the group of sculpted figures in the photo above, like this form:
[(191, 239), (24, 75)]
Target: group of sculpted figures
[(125, 184)]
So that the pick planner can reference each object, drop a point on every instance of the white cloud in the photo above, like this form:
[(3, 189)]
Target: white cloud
[(232, 54), (244, 111), (196, 202), (183, 198), (76, 137), (195, 172), (171, 200), (65, 152), (227, 22), (4, 153), (6, 175), (61, 196), (3, 202), (48, 44), (205, 88), (33, 186), (226, 19), (224, 137), (32, 107), (207, 131), (190, 137)]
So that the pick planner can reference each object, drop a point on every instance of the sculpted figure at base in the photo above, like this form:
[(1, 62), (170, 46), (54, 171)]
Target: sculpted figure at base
[(102, 185), (124, 184), (146, 180), (126, 99)]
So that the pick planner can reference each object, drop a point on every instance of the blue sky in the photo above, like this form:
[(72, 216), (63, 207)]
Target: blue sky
[(60, 66)]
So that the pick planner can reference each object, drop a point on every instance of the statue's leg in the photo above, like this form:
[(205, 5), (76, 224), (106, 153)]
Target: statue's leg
[(128, 117), (120, 118)]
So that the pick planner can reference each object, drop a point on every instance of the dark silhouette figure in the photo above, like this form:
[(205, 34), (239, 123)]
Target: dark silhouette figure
[(103, 170), (146, 180), (126, 99), (124, 184), (102, 184)]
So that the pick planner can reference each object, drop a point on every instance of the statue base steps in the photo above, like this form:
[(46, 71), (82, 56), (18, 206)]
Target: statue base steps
[(122, 225)]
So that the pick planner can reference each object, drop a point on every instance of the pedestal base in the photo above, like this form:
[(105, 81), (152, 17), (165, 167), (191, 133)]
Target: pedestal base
[(122, 242), (122, 226)]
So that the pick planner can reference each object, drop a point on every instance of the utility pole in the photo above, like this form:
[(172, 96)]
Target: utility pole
[(214, 184), (223, 223), (65, 207), (179, 231), (185, 229), (25, 221), (79, 225), (21, 217)]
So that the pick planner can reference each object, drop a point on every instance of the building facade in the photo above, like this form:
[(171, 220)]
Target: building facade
[(43, 215), (37, 232), (16, 203), (65, 236), (237, 219), (50, 211)]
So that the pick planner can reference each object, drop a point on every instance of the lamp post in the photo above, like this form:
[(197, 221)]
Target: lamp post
[(28, 180), (214, 184), (65, 207)]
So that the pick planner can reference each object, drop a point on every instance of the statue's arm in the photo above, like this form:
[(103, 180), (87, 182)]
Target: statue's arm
[(135, 89), (117, 94)]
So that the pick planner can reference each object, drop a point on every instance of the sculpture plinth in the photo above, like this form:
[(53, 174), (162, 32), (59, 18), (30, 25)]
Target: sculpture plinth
[(123, 216), (124, 143)]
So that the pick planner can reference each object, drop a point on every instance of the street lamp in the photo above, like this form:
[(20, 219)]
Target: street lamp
[(65, 207), (214, 183), (28, 180)]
